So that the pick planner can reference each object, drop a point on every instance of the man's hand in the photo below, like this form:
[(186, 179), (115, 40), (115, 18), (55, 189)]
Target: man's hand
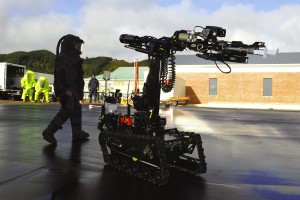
[(69, 93)]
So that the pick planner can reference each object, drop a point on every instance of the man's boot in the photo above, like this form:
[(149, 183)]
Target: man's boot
[(54, 125), (80, 135), (48, 133), (57, 122)]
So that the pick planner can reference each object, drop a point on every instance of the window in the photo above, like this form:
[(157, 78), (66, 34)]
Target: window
[(213, 83), (267, 86), (15, 71)]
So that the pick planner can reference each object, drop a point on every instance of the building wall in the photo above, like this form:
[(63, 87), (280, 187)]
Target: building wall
[(244, 85), (179, 90)]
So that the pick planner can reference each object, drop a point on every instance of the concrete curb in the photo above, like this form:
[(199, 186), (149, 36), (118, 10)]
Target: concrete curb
[(262, 106)]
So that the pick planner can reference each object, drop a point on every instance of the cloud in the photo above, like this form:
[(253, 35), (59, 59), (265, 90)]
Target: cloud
[(278, 28), (100, 23), (24, 27), (35, 33)]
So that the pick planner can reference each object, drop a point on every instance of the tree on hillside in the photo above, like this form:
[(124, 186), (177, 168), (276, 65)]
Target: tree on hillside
[(43, 61), (94, 65), (39, 61)]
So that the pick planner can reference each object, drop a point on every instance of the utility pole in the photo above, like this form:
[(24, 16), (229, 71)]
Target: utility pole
[(106, 77), (136, 76)]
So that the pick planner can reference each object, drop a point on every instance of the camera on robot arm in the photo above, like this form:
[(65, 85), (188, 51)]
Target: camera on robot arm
[(207, 45)]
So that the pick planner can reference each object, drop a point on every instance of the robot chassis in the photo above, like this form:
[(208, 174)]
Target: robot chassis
[(138, 144)]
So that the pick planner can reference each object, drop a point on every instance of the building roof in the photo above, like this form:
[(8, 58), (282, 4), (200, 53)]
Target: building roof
[(280, 58), (124, 73), (50, 77), (127, 73)]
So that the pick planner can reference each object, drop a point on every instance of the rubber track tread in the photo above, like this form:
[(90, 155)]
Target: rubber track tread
[(202, 164), (164, 167)]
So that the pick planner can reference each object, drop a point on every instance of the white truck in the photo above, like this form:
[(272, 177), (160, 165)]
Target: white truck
[(10, 80)]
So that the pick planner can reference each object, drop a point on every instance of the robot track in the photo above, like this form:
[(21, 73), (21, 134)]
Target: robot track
[(138, 155), (181, 154), (150, 158)]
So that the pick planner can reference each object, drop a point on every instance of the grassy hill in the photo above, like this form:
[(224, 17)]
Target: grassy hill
[(43, 61)]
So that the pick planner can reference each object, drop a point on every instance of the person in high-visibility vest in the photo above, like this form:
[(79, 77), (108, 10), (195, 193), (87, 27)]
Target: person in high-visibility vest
[(42, 87), (28, 83)]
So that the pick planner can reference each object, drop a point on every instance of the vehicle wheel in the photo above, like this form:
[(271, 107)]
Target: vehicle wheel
[(175, 103), (163, 105)]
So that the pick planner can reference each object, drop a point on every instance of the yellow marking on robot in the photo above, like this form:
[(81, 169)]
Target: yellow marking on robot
[(134, 159)]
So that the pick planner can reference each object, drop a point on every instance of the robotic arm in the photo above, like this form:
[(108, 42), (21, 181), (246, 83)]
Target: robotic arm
[(205, 43), (161, 57)]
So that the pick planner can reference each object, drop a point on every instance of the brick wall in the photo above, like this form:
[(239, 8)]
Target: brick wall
[(244, 87)]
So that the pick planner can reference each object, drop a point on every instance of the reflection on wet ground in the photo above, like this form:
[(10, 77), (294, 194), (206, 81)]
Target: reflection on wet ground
[(258, 153), (250, 155)]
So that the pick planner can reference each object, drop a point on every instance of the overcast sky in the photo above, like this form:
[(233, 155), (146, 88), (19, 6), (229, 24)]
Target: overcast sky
[(28, 25)]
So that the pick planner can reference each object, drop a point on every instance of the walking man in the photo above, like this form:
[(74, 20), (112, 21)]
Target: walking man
[(93, 88), (68, 85)]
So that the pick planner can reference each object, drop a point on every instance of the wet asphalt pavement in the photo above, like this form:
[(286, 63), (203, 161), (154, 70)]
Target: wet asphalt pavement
[(251, 154)]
